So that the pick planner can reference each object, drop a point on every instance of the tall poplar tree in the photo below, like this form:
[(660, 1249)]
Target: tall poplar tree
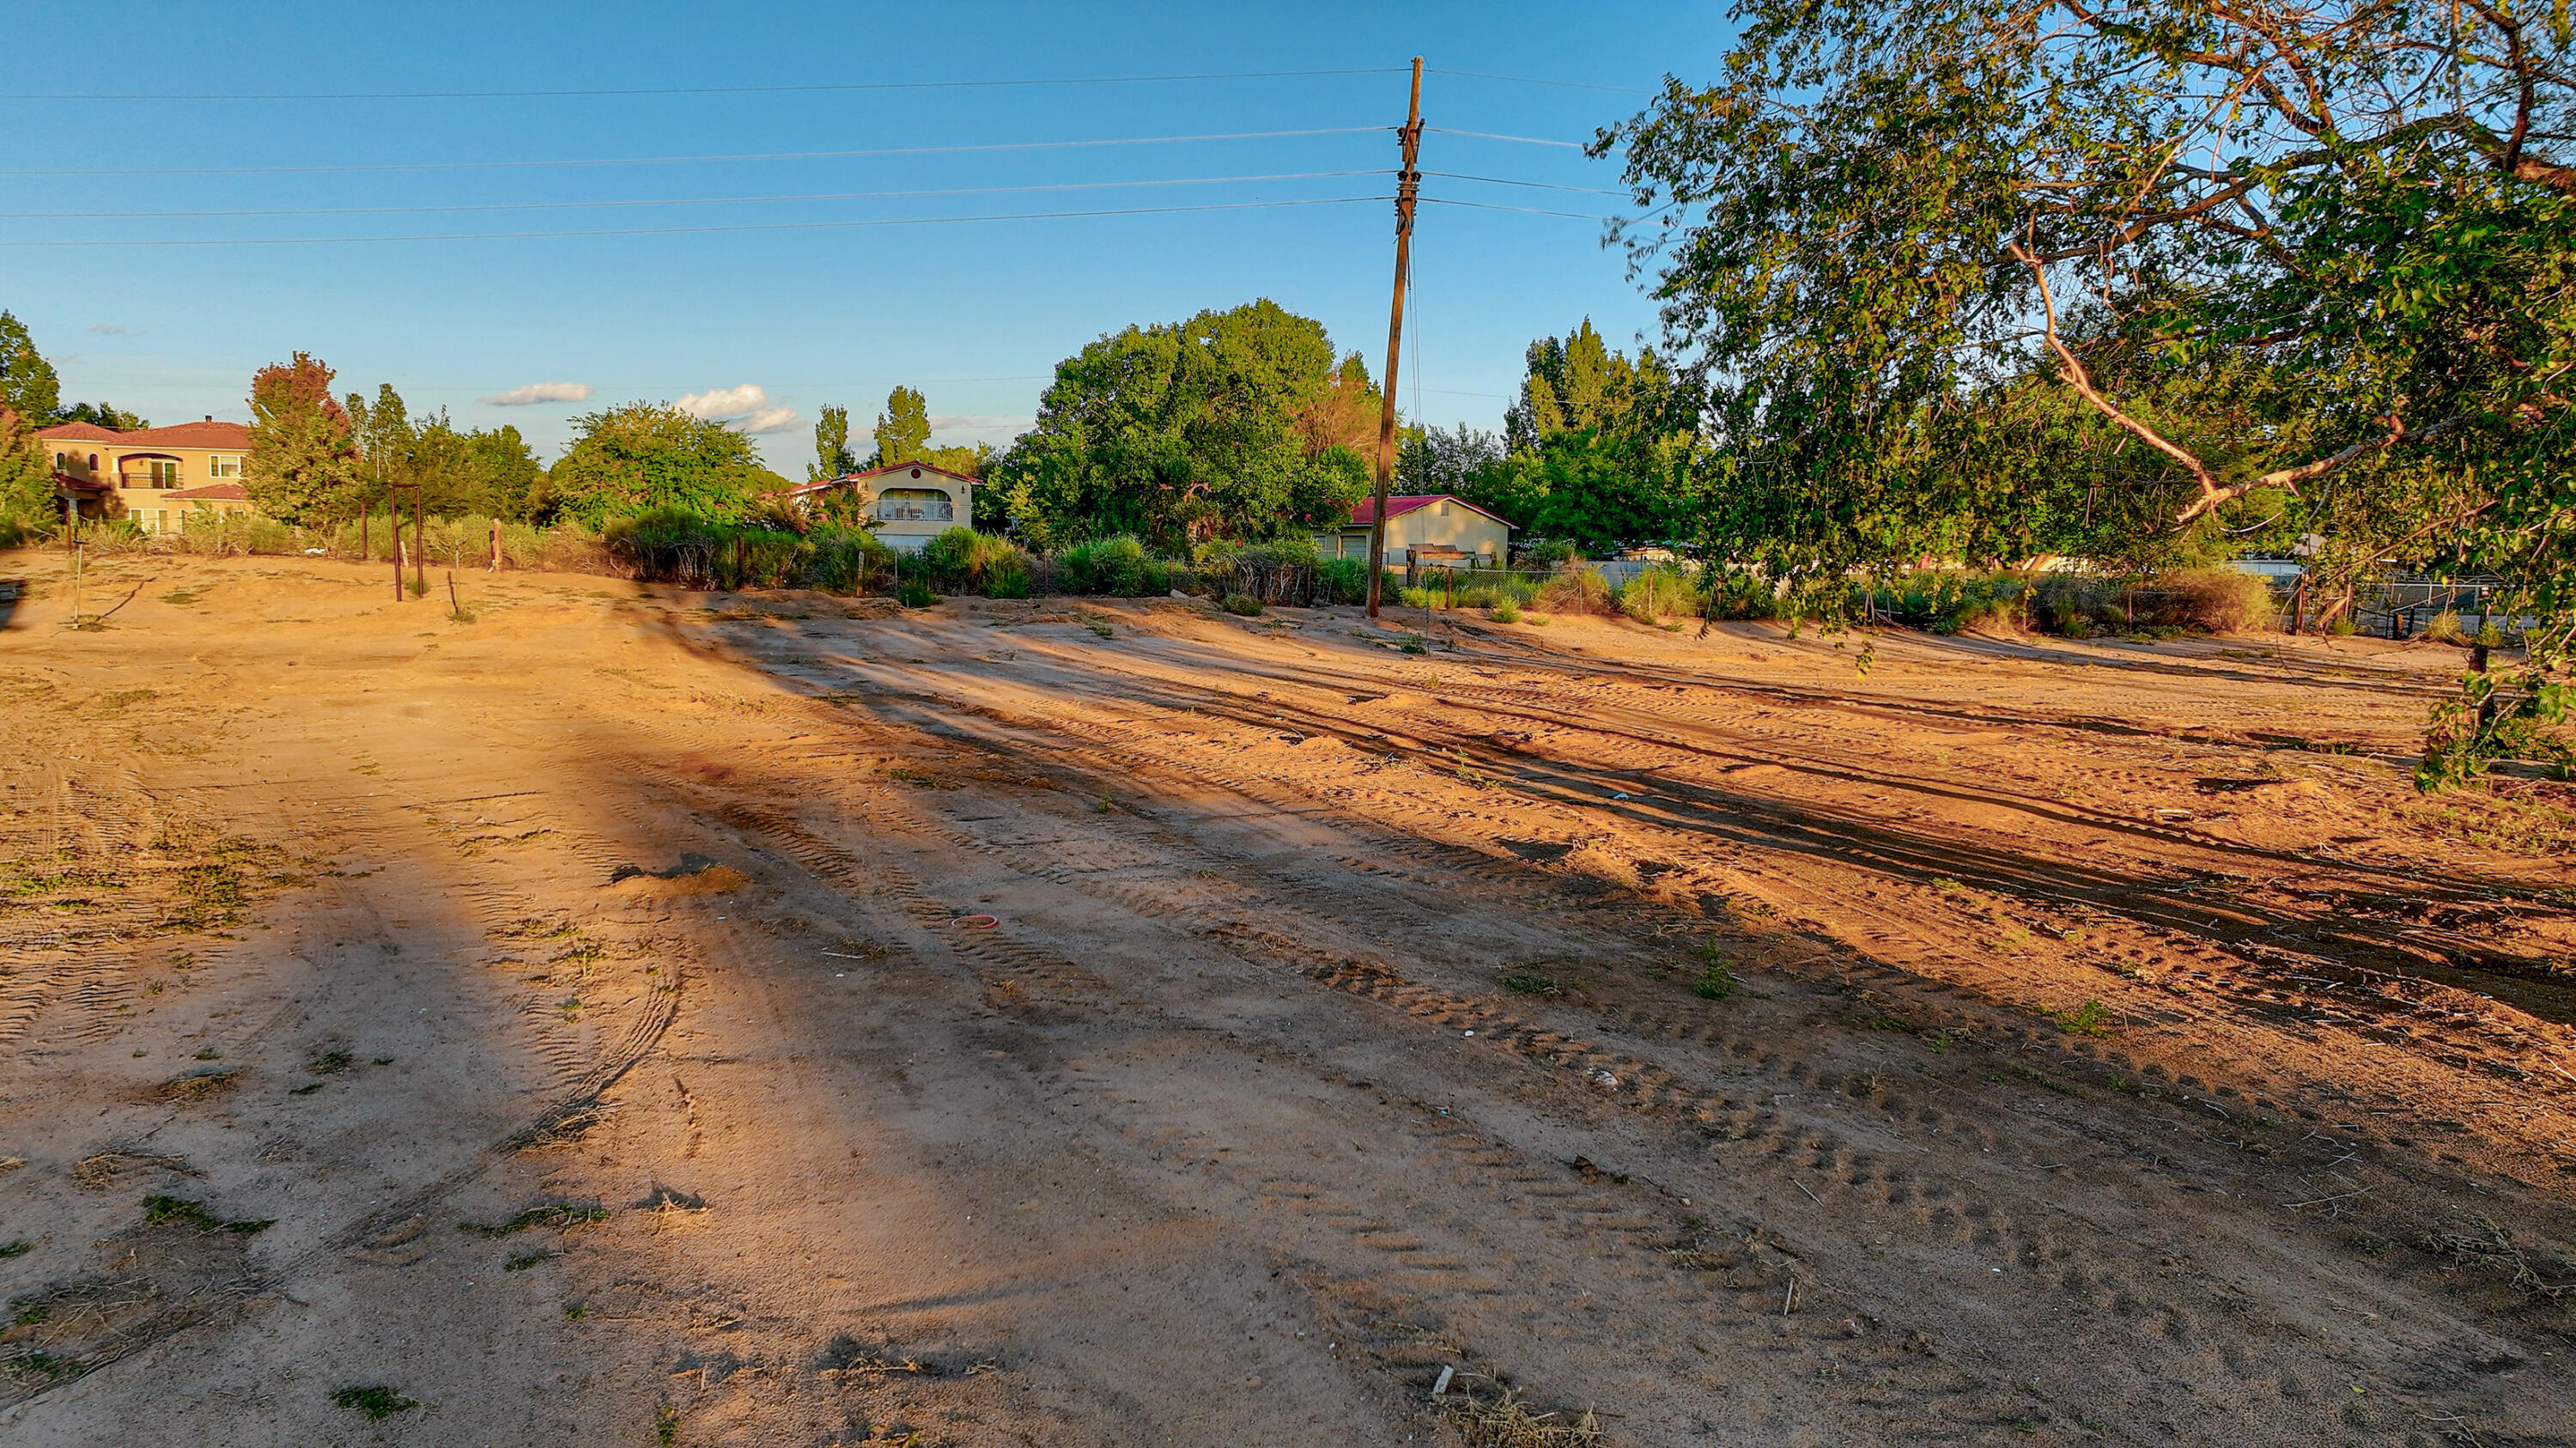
[(903, 429)]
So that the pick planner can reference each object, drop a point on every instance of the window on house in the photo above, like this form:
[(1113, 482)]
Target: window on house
[(224, 467), (93, 463), (1444, 510)]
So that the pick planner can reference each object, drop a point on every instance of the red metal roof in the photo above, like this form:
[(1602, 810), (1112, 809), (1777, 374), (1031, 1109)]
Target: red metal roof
[(233, 491), (1364, 511)]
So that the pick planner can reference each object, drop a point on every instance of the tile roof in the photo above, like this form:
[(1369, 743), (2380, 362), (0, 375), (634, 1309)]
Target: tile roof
[(78, 432), (190, 434), (1398, 504)]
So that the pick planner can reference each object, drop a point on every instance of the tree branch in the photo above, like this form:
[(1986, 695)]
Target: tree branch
[(2082, 382)]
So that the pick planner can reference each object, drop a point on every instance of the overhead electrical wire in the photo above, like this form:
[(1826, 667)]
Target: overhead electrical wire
[(1625, 90), (569, 93), (695, 230), (1445, 131), (673, 200), (689, 160), (1525, 210), (1539, 185)]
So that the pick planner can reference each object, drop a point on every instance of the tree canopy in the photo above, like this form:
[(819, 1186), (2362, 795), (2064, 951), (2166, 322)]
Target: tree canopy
[(643, 456), (1235, 424), (487, 472), (832, 455), (28, 386), (1977, 278), (303, 464), (903, 429)]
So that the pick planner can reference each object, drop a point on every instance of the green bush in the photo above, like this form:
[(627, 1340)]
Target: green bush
[(962, 560), (1743, 594), (913, 593), (669, 545), (1507, 612), (1244, 604), (1119, 567), (1662, 591), (1945, 601)]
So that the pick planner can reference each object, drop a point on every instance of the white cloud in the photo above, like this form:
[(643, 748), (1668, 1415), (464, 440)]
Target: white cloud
[(108, 329), (767, 419), (725, 402), (536, 392)]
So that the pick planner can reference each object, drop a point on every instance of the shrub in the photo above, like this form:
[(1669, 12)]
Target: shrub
[(1662, 591), (962, 560), (670, 545), (2344, 627), (2445, 628), (1242, 603), (1576, 589), (913, 593), (1116, 566), (2220, 600), (1507, 612), (1547, 554), (1744, 594)]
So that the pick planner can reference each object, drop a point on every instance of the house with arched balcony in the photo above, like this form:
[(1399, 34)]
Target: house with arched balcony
[(154, 475), (906, 504)]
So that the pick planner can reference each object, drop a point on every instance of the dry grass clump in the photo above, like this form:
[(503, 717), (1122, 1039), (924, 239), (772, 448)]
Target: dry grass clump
[(2221, 600), (1576, 589), (1504, 1421)]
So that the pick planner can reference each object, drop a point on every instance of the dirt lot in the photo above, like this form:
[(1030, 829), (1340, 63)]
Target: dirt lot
[(628, 1017)]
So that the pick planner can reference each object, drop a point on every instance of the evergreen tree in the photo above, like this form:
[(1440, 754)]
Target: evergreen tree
[(903, 429), (303, 463), (28, 386)]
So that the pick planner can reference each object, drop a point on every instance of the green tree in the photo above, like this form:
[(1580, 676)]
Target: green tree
[(28, 386), (966, 461), (486, 473), (1186, 431), (832, 455), (103, 414), (26, 475), (303, 464), (643, 456), (2210, 252), (903, 429)]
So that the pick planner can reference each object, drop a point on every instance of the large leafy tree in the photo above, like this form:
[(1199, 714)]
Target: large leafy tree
[(643, 456), (304, 464), (2317, 252), (1228, 425), (103, 414), (28, 386)]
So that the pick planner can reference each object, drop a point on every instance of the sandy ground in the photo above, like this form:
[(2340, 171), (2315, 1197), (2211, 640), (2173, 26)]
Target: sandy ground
[(629, 1017)]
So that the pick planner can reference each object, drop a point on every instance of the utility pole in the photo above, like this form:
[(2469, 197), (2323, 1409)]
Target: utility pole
[(1407, 183)]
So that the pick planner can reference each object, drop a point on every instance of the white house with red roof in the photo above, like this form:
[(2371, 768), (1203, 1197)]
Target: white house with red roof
[(153, 475), (1434, 529), (907, 504)]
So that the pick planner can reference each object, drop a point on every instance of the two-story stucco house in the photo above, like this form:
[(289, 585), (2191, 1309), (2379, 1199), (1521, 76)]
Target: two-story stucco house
[(910, 503), (154, 475), (1438, 529)]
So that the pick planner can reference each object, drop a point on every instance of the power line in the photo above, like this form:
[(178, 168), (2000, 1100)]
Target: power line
[(694, 230), (1625, 90), (1525, 210), (705, 90), (1479, 135), (685, 160), (669, 201), (1539, 185)]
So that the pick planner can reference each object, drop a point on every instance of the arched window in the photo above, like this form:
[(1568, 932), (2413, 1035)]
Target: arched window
[(93, 462)]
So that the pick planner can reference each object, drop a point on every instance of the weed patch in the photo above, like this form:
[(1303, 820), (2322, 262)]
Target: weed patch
[(377, 1401), (1502, 1420), (2089, 1019), (164, 1211), (1532, 983), (560, 1217)]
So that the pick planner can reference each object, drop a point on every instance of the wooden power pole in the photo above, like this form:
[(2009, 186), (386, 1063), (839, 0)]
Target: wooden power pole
[(1407, 183)]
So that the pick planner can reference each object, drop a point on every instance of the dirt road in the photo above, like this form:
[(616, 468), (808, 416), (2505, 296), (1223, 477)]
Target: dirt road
[(624, 1016)]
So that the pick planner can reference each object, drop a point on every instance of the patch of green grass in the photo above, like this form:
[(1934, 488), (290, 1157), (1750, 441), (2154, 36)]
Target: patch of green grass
[(576, 1311), (1100, 628), (377, 1401), (2090, 1019), (1717, 972), (39, 1363), (666, 1426), (1530, 982), (330, 1063), (522, 1261), (19, 1248), (1883, 1021), (32, 1313), (1243, 605), (560, 1217), (165, 1211)]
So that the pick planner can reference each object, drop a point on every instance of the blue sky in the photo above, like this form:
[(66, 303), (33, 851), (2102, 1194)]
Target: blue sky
[(976, 315)]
